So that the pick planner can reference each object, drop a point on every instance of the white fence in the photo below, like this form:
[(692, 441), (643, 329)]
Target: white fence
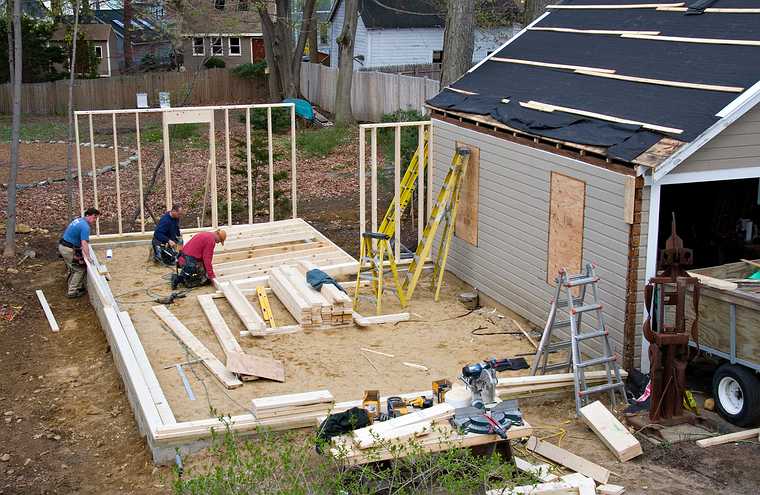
[(373, 94)]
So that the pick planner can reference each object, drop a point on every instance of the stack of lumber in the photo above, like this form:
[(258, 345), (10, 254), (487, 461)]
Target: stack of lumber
[(294, 406), (310, 308), (415, 424), (529, 386), (615, 436), (341, 305)]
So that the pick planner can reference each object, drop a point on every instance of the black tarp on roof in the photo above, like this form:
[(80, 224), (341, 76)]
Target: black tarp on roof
[(692, 110)]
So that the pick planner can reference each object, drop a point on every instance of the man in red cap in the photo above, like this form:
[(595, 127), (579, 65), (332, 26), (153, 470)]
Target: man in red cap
[(196, 259)]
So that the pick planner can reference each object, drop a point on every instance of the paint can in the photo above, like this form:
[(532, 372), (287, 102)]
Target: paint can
[(469, 300)]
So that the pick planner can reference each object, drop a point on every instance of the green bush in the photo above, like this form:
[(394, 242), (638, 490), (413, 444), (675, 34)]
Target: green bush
[(409, 137), (322, 142), (280, 119), (287, 463), (214, 63), (250, 71), (154, 133)]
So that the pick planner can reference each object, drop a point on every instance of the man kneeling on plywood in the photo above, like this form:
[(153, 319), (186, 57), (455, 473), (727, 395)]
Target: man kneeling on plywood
[(196, 259)]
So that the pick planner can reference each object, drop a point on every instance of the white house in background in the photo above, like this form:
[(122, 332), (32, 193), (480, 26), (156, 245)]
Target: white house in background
[(408, 32)]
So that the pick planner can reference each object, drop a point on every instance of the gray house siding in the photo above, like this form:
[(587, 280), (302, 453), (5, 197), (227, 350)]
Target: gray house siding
[(510, 262)]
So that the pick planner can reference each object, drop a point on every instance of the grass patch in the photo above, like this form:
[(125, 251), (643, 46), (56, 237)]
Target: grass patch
[(34, 131), (321, 142), (288, 463), (189, 134)]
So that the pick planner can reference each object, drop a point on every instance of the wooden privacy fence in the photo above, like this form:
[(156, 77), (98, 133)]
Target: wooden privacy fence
[(373, 94), (206, 87)]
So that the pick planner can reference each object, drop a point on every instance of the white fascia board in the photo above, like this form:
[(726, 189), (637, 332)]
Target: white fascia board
[(741, 105), (221, 35), (707, 176)]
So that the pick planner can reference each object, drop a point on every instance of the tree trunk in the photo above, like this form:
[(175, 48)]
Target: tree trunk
[(128, 14), (307, 25), (458, 40), (313, 40), (69, 151), (14, 68), (534, 8), (273, 79), (343, 113)]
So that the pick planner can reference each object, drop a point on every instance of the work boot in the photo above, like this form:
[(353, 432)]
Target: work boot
[(78, 293), (175, 281)]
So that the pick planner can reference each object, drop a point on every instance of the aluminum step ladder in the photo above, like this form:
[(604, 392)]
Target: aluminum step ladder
[(444, 210), (575, 307)]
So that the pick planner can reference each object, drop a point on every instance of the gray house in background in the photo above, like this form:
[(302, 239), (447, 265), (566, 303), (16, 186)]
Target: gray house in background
[(584, 145), (105, 43), (149, 35)]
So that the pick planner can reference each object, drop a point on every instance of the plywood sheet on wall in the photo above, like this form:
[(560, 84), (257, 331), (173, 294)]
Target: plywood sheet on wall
[(567, 202), (467, 212)]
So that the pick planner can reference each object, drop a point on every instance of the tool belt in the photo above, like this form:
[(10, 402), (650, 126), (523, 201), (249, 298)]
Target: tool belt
[(65, 243), (78, 257)]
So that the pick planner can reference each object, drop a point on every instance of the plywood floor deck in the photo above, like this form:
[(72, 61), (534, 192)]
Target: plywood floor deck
[(317, 359)]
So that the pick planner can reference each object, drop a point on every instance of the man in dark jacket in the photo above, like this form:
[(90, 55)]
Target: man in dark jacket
[(167, 238)]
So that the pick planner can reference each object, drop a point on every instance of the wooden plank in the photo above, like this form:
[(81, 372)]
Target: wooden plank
[(365, 321), (629, 199), (466, 227), (48, 312), (540, 471), (713, 282), (520, 381), (568, 459), (615, 436), (567, 205), (549, 65), (731, 437), (367, 437), (544, 107), (262, 367), (243, 308), (227, 340), (195, 346), (609, 489), (292, 400), (551, 488), (683, 39), (583, 484), (323, 407), (662, 82)]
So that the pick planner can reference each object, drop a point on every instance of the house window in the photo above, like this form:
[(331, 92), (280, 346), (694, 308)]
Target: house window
[(219, 4), (98, 51), (243, 5), (437, 56), (234, 48), (198, 48), (217, 48), (324, 33)]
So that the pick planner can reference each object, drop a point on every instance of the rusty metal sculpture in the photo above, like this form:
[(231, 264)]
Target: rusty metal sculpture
[(666, 329)]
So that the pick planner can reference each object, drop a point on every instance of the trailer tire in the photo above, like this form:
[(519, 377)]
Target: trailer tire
[(736, 391)]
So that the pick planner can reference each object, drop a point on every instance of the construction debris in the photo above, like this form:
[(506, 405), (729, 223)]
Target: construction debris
[(611, 431), (568, 459), (293, 406), (753, 434)]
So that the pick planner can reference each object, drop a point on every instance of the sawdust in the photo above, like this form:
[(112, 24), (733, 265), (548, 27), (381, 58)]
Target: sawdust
[(436, 338)]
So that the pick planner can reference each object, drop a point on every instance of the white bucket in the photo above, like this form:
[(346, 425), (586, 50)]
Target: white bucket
[(458, 396)]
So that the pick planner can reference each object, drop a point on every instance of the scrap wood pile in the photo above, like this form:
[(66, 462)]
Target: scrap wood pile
[(529, 386), (294, 406)]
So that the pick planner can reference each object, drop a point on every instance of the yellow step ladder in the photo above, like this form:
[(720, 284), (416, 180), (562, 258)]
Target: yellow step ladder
[(444, 210), (372, 262), (407, 187)]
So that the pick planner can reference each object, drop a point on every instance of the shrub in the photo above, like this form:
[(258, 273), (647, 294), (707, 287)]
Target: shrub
[(323, 141), (280, 119), (409, 138), (178, 132), (214, 63), (250, 71)]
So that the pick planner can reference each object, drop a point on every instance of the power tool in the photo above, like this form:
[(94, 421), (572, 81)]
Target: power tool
[(498, 420), (480, 378), (420, 402), (396, 407)]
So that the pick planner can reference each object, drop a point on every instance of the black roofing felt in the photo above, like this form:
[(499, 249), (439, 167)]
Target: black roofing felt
[(385, 14), (692, 110)]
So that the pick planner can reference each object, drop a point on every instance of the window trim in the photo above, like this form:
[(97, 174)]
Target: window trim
[(203, 46), (98, 48), (239, 46), (213, 48)]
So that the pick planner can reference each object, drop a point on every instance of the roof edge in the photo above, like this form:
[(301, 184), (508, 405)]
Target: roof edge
[(730, 113)]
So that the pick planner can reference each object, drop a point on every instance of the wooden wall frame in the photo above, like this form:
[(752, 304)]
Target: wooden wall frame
[(567, 206), (180, 115)]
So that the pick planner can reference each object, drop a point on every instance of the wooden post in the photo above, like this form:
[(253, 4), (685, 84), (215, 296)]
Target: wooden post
[(248, 163), (362, 184), (94, 175), (167, 164), (396, 186), (293, 192), (270, 146), (420, 181), (430, 163), (139, 172), (373, 185), (79, 165), (212, 181), (116, 165), (227, 155)]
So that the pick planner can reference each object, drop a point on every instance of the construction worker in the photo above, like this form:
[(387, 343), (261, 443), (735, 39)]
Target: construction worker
[(74, 247), (196, 259), (167, 239)]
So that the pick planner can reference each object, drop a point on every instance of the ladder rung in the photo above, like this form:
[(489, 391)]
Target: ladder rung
[(558, 345), (601, 388), (563, 304), (587, 308), (595, 361), (581, 281), (591, 335), (561, 324), (557, 366)]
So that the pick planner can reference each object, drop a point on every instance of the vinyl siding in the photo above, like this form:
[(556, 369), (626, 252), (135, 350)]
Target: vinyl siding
[(737, 146), (403, 46), (510, 262), (193, 62)]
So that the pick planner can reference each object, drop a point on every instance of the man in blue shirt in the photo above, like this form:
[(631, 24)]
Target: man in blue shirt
[(74, 248), (167, 237)]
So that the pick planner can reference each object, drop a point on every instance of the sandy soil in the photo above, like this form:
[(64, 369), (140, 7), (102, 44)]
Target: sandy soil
[(318, 359)]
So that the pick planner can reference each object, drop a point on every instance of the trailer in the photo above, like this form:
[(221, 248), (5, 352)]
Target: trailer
[(729, 331)]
